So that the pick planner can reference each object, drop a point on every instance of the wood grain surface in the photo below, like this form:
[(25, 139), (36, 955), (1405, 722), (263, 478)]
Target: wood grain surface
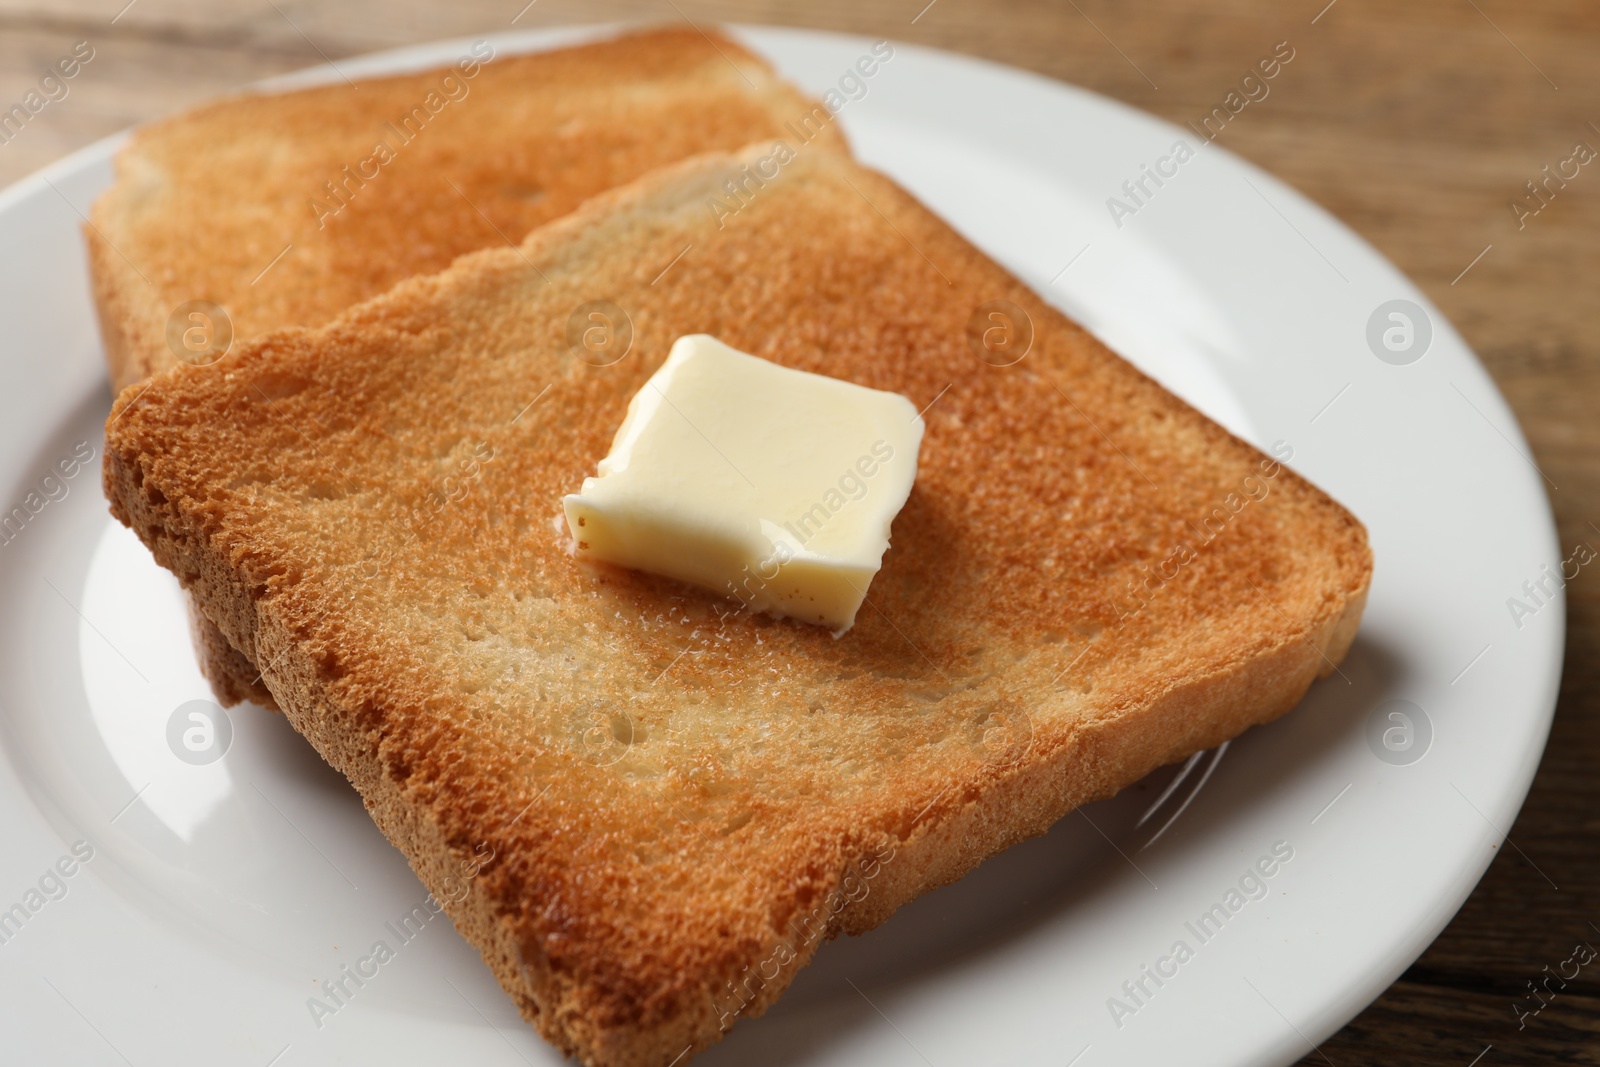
[(1417, 124)]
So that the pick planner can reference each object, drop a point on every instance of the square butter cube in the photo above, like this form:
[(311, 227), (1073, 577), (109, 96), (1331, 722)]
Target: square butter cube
[(771, 485)]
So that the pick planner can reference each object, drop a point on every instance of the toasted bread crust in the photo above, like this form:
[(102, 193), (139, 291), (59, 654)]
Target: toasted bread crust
[(199, 209), (1090, 580), (233, 678)]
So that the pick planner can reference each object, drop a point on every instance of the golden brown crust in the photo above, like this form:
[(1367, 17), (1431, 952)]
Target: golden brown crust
[(205, 201), (199, 208), (233, 678), (1089, 580)]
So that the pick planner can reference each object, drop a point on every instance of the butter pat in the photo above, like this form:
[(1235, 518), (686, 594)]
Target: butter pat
[(770, 485)]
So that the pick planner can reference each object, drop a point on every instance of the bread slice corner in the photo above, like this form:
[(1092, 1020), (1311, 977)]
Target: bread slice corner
[(253, 211)]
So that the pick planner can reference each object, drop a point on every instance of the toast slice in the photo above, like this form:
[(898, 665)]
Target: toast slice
[(472, 156), (681, 801)]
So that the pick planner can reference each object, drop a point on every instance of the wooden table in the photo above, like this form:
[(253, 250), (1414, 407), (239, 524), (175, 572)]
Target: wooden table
[(1417, 124)]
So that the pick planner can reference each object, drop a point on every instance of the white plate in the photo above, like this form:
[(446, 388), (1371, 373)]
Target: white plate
[(218, 894)]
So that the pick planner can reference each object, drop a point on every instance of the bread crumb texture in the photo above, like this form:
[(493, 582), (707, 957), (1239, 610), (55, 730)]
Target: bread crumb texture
[(1089, 580), (205, 201), (272, 210)]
